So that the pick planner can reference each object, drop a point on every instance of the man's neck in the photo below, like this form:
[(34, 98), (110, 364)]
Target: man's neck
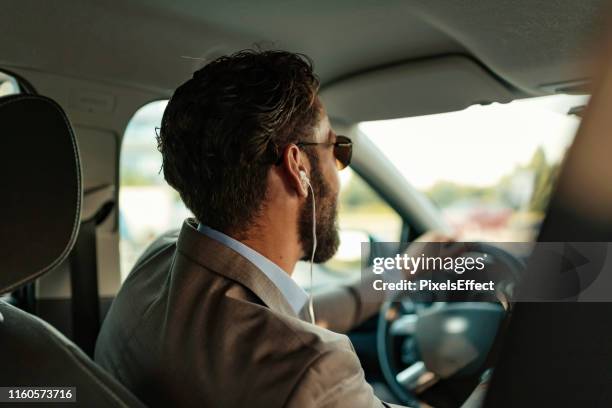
[(276, 243)]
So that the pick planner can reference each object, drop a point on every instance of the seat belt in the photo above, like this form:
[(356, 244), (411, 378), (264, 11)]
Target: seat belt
[(84, 282)]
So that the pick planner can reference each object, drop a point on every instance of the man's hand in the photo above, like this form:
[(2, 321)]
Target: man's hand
[(434, 243), (342, 308)]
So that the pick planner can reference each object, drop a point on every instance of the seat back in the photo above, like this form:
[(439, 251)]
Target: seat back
[(39, 222)]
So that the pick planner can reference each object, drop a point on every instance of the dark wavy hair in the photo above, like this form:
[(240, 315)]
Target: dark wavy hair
[(225, 127)]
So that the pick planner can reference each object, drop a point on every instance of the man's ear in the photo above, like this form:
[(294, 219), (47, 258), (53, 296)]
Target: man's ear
[(293, 163)]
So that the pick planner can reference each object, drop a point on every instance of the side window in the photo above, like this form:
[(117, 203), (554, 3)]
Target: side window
[(8, 85), (148, 206), (360, 208)]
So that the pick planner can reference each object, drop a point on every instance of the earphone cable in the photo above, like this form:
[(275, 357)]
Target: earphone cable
[(312, 255)]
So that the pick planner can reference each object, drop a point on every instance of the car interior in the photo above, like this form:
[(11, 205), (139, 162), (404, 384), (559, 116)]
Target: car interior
[(83, 85)]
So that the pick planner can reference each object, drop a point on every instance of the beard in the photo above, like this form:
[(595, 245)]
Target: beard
[(326, 204)]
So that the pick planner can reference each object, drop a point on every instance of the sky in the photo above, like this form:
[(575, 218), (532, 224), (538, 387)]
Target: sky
[(479, 145)]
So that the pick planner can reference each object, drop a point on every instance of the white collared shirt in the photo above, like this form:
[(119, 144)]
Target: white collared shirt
[(293, 293)]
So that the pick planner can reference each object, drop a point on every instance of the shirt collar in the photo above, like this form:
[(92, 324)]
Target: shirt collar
[(293, 293)]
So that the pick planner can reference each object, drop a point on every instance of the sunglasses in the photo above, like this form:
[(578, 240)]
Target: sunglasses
[(343, 150)]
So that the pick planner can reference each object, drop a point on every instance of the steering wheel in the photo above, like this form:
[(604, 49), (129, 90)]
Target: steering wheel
[(421, 344)]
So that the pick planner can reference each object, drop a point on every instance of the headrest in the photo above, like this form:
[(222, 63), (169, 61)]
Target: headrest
[(40, 189)]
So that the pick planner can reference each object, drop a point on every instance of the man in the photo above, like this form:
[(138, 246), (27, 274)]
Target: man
[(215, 319)]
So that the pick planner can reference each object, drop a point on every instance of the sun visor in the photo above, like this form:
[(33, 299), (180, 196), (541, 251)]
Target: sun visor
[(420, 87), (41, 188)]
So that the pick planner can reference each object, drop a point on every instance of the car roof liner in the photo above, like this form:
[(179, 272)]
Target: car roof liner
[(537, 46)]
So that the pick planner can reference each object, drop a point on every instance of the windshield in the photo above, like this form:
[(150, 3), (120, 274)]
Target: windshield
[(489, 169)]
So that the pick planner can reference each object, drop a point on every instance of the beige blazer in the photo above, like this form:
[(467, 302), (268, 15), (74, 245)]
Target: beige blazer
[(196, 324)]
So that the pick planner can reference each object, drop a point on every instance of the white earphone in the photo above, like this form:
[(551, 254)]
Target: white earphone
[(306, 183), (305, 180)]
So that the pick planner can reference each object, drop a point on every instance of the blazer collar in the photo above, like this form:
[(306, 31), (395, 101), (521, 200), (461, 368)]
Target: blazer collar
[(224, 261)]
